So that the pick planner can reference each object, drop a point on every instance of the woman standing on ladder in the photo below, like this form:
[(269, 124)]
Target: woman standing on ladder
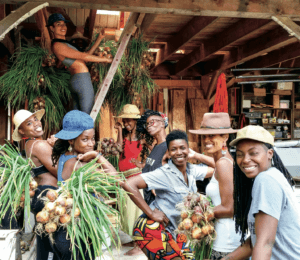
[(74, 60)]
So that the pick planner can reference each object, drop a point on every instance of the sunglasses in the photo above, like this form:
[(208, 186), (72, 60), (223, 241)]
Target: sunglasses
[(151, 123)]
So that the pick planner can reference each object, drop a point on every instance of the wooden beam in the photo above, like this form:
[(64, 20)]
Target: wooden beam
[(92, 19), (232, 8), (286, 23), (147, 21), (212, 84), (238, 31), (104, 86), (191, 30), (14, 19), (175, 84), (271, 41), (41, 23)]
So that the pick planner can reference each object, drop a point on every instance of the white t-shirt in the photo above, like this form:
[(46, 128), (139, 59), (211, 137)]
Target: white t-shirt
[(273, 195)]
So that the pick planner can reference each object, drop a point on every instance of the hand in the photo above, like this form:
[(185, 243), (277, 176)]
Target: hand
[(118, 126), (159, 216), (153, 192), (191, 154), (51, 140), (137, 163), (108, 60), (87, 156), (165, 158)]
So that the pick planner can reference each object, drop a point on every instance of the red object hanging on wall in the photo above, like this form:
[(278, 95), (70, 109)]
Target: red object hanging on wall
[(221, 100)]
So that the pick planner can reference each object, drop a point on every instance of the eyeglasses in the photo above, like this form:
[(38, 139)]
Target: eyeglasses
[(151, 122)]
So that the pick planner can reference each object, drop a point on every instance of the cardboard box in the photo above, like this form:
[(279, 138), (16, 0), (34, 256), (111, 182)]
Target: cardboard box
[(284, 104), (285, 85), (297, 104), (246, 103), (260, 92), (276, 101), (296, 133), (281, 92)]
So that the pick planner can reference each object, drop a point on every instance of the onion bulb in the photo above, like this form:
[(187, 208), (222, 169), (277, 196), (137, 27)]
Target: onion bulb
[(184, 214), (31, 193), (50, 207), (59, 210), (207, 229), (65, 219), (209, 215), (196, 233), (205, 203), (33, 185), (22, 204), (50, 227), (196, 218), (77, 212), (61, 201), (69, 203), (187, 223), (52, 195), (23, 197), (181, 226), (42, 217), (198, 210)]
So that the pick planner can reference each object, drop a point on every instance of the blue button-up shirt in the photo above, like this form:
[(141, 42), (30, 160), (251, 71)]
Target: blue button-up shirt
[(170, 188)]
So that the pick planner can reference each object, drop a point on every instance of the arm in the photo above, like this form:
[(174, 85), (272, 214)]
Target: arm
[(62, 49), (265, 229), (43, 151), (118, 126), (242, 252), (202, 158), (224, 175), (210, 172), (132, 186), (97, 42)]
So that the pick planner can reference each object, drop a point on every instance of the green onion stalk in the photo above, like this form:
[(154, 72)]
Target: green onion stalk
[(15, 182), (87, 185)]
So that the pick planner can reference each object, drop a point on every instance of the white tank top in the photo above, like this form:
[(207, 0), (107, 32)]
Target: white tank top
[(227, 240)]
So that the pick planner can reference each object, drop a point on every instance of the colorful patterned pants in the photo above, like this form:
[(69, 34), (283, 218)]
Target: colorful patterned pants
[(157, 243)]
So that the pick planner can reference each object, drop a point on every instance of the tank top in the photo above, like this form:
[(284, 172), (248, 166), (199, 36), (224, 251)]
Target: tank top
[(227, 240), (61, 162), (131, 151)]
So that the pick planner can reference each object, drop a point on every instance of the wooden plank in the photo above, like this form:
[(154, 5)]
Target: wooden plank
[(104, 86), (92, 19), (212, 84), (287, 23), (80, 17), (171, 84), (236, 32), (178, 111), (41, 23), (14, 19), (160, 101), (191, 30), (154, 102), (105, 124), (233, 8)]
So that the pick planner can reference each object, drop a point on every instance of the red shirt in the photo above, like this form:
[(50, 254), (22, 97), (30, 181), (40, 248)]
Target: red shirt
[(131, 151)]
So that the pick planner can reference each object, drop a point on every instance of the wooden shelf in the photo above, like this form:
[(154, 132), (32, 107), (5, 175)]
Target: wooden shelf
[(277, 124)]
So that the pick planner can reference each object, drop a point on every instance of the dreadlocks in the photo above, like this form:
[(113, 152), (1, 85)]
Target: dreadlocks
[(125, 133), (243, 188), (142, 133)]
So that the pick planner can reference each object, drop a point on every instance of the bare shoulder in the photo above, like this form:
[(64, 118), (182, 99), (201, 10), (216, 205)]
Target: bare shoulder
[(224, 169), (42, 146)]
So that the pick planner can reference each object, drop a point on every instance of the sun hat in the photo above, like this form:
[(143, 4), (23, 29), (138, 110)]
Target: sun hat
[(215, 123), (130, 111), (20, 117), (253, 132), (79, 35), (56, 17), (74, 123)]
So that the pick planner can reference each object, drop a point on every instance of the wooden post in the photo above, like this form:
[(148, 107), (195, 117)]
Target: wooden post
[(41, 23), (104, 86)]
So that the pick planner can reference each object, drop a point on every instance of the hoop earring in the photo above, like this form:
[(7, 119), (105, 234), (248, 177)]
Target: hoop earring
[(224, 150), (70, 148)]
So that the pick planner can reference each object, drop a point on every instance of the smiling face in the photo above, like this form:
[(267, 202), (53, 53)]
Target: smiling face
[(214, 143), (155, 124), (253, 157), (179, 150), (129, 124), (31, 128), (85, 142), (59, 29)]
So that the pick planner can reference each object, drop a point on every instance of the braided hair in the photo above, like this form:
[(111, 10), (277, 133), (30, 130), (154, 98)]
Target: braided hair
[(243, 188), (125, 133), (142, 133), (60, 147)]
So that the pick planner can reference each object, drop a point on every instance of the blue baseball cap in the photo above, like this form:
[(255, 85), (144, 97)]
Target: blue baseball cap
[(56, 17), (74, 123)]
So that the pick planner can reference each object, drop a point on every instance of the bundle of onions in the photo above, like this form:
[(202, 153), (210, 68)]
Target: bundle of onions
[(39, 102), (17, 187), (109, 147), (197, 223)]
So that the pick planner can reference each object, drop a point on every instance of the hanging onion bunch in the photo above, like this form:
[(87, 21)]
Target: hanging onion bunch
[(109, 147), (17, 187), (197, 223), (147, 61), (49, 60), (38, 103), (79, 207)]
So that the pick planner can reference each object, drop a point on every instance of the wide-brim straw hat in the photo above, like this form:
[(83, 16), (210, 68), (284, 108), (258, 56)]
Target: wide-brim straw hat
[(79, 35), (253, 132), (130, 111), (215, 123), (20, 117)]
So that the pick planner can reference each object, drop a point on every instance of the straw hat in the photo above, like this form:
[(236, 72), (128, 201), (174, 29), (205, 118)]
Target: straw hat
[(130, 111), (20, 117), (79, 35), (214, 123), (253, 132)]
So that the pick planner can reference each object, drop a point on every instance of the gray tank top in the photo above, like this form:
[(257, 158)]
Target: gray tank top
[(67, 61)]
